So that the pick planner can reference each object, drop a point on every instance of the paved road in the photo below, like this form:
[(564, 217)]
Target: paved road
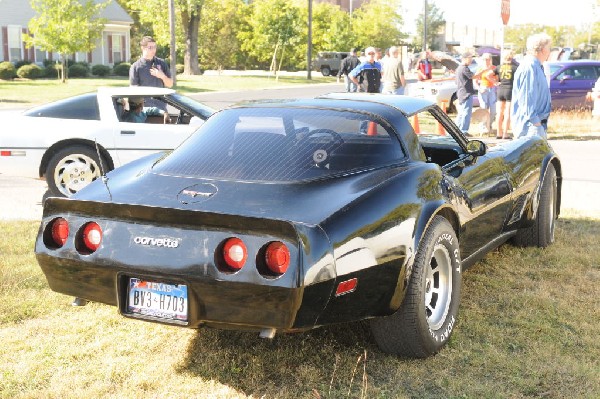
[(21, 198)]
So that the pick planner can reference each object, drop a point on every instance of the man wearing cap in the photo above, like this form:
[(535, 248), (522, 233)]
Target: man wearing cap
[(465, 92), (348, 64), (138, 113), (370, 70)]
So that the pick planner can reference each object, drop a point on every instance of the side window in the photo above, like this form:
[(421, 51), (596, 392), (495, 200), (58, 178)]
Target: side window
[(586, 72), (567, 72), (438, 146)]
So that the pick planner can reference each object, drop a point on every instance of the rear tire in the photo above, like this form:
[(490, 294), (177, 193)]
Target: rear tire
[(425, 320), (325, 71), (71, 169), (541, 232)]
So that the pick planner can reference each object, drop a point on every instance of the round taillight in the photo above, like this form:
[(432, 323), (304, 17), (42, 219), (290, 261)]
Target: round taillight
[(92, 236), (277, 257), (235, 253), (60, 231)]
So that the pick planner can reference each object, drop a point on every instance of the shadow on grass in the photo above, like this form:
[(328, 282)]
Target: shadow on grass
[(327, 362), (289, 365)]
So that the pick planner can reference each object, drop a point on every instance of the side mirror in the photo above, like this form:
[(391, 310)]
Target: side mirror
[(476, 148)]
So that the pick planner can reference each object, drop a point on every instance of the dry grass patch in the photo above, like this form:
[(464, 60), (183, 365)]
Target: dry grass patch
[(528, 327), (573, 125)]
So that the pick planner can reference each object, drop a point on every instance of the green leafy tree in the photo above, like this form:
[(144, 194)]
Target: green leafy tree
[(65, 27), (221, 22), (331, 26), (156, 14), (274, 26), (435, 21), (377, 23)]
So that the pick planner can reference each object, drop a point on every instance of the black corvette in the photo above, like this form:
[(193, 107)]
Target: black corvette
[(289, 215)]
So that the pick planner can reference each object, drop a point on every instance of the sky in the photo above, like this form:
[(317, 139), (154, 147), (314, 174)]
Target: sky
[(487, 12)]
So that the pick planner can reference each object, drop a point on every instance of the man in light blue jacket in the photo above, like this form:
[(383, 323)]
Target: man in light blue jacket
[(531, 101)]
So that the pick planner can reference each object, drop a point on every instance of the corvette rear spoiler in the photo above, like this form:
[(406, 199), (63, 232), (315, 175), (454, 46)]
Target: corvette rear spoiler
[(54, 207)]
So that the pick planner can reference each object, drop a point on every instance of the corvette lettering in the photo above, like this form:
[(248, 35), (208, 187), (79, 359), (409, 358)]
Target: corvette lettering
[(157, 242)]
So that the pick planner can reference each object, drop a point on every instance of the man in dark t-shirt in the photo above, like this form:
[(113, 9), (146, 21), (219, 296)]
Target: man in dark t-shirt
[(150, 70), (465, 91)]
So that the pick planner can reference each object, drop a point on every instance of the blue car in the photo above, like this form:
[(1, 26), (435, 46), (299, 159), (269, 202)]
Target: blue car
[(570, 81)]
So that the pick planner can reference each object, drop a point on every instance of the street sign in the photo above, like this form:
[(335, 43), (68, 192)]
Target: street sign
[(505, 11)]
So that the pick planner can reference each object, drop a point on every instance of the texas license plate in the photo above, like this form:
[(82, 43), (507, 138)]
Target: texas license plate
[(161, 300)]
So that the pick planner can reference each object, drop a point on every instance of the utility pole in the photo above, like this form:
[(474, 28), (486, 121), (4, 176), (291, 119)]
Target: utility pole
[(309, 50), (425, 26), (172, 46)]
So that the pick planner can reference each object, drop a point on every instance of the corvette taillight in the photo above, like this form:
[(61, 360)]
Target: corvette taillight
[(59, 232), (91, 237), (234, 253), (277, 257)]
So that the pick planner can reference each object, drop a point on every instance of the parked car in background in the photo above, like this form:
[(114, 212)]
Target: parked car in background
[(441, 90), (570, 81), (71, 141), (329, 62)]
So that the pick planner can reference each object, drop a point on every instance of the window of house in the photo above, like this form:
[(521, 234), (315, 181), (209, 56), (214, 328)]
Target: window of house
[(117, 48), (14, 43), (40, 55)]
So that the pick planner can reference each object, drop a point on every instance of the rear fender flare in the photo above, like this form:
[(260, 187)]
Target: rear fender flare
[(531, 213), (428, 212)]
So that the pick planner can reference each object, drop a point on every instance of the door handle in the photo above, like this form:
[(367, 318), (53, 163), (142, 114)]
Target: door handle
[(128, 132)]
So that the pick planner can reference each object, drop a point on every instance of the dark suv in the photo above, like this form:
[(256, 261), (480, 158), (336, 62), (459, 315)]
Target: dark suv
[(570, 81)]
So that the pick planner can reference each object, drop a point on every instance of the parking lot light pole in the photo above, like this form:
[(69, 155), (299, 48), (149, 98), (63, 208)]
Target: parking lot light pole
[(309, 50)]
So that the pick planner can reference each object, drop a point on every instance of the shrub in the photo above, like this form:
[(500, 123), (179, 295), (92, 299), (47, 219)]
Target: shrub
[(30, 71), (78, 71), (179, 68), (101, 70), (7, 70), (122, 69), (19, 64), (52, 69)]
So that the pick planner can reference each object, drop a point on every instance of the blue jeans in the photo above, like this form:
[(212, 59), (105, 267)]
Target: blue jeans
[(487, 100), (463, 114), (350, 86)]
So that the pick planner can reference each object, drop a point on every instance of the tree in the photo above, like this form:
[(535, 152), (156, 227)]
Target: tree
[(274, 26), (332, 30), (65, 27), (435, 21), (377, 23), (219, 44)]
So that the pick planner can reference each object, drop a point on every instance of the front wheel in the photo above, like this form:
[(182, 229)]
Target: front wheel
[(71, 169), (425, 320), (325, 71)]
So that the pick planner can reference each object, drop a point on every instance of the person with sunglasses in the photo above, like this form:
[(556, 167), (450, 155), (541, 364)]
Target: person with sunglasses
[(150, 70)]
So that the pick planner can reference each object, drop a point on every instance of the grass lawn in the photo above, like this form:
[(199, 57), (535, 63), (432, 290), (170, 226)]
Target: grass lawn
[(27, 93), (528, 327)]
